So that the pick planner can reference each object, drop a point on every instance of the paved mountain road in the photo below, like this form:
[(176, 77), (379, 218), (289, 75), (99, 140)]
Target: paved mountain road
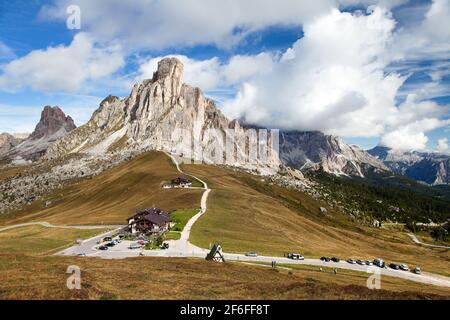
[(416, 240)]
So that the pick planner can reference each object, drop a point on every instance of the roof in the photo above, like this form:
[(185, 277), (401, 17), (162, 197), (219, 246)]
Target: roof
[(179, 180), (155, 218), (149, 214)]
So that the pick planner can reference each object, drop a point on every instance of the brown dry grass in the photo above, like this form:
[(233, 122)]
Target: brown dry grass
[(246, 214), (112, 196), (23, 277)]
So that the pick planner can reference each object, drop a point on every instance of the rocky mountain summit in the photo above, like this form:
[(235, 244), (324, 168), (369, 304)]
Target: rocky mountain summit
[(431, 168), (53, 125)]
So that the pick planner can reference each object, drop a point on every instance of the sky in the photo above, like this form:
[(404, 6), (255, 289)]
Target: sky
[(375, 72)]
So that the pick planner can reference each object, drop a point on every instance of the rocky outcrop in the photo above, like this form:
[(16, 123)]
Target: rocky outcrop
[(53, 125), (314, 150), (7, 142), (431, 168)]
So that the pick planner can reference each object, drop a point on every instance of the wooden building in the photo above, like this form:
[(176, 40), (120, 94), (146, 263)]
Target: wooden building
[(151, 222)]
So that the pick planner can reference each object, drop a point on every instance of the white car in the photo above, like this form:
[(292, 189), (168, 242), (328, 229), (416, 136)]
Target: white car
[(404, 267), (295, 256), (251, 254), (417, 270)]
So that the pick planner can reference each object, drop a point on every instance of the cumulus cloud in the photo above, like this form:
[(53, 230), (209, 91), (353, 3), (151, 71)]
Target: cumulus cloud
[(61, 68), (442, 145), (332, 79), (412, 136)]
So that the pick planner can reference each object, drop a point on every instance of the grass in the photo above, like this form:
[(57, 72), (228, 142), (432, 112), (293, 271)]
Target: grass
[(246, 213), (38, 240), (111, 197), (180, 217), (24, 277)]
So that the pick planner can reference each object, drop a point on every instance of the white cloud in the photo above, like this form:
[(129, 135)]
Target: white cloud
[(160, 24), (412, 136), (61, 68), (332, 79), (442, 145), (429, 39)]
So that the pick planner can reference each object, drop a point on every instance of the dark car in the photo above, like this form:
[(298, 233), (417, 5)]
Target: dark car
[(394, 266), (361, 262), (103, 248), (335, 259), (107, 239), (325, 259), (110, 244)]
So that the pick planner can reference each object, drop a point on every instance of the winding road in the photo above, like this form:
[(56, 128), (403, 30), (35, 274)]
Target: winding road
[(416, 240)]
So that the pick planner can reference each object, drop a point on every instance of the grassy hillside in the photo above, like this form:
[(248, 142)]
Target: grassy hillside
[(247, 214), (38, 240), (23, 277), (112, 196)]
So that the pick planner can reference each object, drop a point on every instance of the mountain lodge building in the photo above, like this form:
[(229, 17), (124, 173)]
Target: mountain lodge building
[(151, 222)]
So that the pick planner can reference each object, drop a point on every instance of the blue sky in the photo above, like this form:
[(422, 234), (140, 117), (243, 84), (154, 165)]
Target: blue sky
[(384, 75)]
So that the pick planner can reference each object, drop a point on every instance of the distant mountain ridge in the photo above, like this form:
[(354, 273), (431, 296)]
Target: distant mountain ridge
[(431, 168)]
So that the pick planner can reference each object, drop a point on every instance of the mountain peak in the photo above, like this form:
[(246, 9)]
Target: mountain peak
[(169, 67), (52, 120)]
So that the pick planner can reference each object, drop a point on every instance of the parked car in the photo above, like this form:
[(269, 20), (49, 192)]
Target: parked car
[(361, 262), (351, 261), (107, 239), (335, 259), (404, 267), (121, 236), (81, 255), (394, 266), (251, 254), (135, 246), (379, 263), (295, 256), (369, 263), (103, 248), (417, 270), (325, 259), (110, 244)]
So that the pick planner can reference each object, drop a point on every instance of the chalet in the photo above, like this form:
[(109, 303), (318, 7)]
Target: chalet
[(179, 182), (151, 222)]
